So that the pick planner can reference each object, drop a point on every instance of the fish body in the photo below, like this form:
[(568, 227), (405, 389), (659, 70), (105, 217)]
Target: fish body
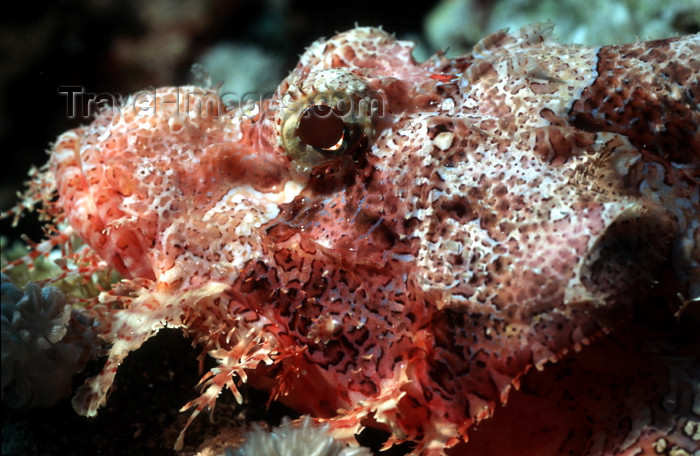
[(396, 244)]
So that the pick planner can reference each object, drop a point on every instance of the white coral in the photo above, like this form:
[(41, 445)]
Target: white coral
[(305, 439), (42, 346)]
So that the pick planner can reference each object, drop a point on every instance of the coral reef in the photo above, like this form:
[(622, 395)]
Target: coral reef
[(242, 70), (458, 24), (44, 344), (301, 439)]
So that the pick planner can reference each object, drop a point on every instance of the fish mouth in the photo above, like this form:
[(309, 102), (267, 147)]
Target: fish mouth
[(631, 256)]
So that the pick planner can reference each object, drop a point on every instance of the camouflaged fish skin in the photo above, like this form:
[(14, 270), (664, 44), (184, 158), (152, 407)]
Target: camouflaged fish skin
[(395, 244)]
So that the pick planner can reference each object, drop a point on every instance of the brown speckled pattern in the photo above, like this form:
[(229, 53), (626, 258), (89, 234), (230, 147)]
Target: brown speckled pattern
[(502, 211), (648, 94)]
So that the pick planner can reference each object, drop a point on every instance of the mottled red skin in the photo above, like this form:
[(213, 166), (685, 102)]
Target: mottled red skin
[(611, 398), (503, 210), (634, 105)]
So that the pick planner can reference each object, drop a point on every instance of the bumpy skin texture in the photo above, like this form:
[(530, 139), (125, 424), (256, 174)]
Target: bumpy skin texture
[(503, 210)]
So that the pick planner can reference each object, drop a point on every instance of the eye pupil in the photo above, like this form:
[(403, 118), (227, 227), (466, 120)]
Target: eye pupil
[(321, 128)]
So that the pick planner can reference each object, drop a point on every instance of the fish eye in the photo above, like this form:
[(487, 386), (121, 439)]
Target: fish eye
[(328, 115), (323, 128)]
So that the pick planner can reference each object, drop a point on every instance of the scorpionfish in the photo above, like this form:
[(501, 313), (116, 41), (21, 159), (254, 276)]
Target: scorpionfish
[(395, 244)]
